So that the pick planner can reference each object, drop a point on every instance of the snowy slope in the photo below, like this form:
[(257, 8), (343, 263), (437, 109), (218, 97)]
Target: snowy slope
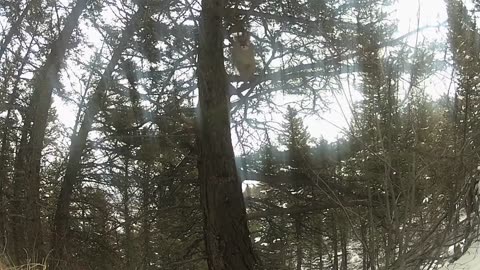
[(469, 261)]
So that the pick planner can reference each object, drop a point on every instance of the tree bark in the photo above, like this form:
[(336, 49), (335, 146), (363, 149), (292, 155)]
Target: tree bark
[(27, 230), (29, 173), (17, 203), (298, 236), (320, 245), (127, 225), (146, 221), (5, 148), (334, 241), (344, 242), (227, 239), (78, 143)]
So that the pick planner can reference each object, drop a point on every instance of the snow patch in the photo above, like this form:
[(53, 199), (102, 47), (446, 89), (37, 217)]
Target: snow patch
[(469, 261)]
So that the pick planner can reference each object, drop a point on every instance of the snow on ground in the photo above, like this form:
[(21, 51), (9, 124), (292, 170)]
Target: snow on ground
[(469, 261)]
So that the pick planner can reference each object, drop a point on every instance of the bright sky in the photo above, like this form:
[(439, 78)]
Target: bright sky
[(431, 13), (330, 124)]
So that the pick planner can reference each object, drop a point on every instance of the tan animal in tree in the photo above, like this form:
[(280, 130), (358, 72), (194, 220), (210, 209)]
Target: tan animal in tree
[(243, 56)]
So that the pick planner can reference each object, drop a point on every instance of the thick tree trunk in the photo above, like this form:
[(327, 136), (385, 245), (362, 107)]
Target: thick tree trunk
[(227, 237), (78, 143), (4, 159), (29, 172), (5, 148), (18, 201)]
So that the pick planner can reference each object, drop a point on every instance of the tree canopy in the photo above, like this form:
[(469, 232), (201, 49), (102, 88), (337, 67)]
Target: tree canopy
[(128, 140)]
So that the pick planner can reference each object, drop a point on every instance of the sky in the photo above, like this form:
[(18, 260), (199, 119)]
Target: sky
[(333, 123)]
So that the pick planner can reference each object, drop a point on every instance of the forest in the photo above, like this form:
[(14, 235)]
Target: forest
[(131, 137)]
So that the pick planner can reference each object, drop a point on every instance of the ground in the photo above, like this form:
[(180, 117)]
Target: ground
[(469, 261)]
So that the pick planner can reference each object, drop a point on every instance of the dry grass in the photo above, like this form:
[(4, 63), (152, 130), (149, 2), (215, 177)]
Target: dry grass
[(24, 267), (5, 265)]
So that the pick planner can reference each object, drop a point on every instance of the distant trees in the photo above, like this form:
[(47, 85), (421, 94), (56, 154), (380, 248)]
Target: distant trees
[(79, 141)]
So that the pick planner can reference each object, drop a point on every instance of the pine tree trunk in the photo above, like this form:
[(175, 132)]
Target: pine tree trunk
[(5, 148), (27, 169), (77, 145), (320, 246), (343, 240), (335, 242), (146, 228), (18, 200), (146, 198), (127, 225), (298, 236), (4, 158), (227, 237)]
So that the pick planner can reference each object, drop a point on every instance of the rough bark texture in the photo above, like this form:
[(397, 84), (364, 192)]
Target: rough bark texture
[(3, 170), (27, 171), (146, 221), (78, 143), (227, 238), (334, 242), (343, 241), (5, 148), (298, 236), (17, 203)]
